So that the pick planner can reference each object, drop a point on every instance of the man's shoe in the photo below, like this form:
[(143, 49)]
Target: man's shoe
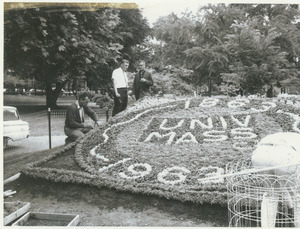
[(68, 140)]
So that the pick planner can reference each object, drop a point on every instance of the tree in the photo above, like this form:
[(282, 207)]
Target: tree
[(262, 48), (175, 35), (197, 42), (208, 58), (131, 32), (258, 44), (58, 44)]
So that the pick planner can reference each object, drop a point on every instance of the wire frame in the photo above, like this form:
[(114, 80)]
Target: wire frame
[(266, 199)]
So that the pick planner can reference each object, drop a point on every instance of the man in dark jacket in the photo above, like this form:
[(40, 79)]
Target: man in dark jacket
[(74, 125), (142, 82)]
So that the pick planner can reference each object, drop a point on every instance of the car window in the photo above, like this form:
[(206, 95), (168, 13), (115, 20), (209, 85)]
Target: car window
[(10, 115)]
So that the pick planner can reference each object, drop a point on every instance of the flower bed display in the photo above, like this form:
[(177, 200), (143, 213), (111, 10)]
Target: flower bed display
[(165, 147)]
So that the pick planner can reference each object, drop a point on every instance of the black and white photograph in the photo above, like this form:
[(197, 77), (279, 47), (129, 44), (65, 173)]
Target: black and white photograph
[(150, 113)]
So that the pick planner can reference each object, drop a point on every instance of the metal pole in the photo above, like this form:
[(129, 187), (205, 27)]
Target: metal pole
[(49, 126), (107, 116), (209, 86)]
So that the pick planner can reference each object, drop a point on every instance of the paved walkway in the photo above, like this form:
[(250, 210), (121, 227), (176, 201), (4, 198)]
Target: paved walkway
[(34, 144)]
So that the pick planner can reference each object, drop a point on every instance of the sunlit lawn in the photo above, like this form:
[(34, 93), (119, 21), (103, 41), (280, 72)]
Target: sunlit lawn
[(33, 110), (34, 100)]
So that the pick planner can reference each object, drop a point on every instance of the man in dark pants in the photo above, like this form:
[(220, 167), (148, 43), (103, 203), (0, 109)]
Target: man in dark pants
[(120, 81), (142, 82), (74, 125)]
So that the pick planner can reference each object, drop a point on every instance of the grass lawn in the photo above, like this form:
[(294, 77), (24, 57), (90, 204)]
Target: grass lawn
[(39, 124), (33, 110), (32, 103), (34, 100)]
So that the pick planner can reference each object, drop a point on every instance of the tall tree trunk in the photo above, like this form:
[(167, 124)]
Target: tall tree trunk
[(209, 84), (52, 95), (51, 99)]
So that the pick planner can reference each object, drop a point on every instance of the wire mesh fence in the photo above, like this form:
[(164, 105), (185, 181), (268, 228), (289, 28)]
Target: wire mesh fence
[(263, 199)]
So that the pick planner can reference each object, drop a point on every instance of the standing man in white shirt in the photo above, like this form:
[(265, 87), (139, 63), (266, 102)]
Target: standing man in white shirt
[(120, 81)]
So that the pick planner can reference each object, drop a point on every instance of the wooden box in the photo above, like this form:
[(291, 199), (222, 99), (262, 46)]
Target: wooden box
[(47, 219), (13, 210)]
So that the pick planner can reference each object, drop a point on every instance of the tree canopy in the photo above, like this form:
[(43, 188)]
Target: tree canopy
[(57, 44), (259, 44), (254, 45)]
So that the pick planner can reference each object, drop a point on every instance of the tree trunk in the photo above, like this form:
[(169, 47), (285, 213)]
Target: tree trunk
[(52, 95), (270, 93), (209, 84), (51, 99)]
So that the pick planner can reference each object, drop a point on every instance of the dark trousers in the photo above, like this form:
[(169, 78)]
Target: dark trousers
[(75, 133), (120, 103)]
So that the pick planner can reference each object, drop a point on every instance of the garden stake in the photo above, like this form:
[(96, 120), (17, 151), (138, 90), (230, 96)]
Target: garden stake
[(107, 116), (49, 126)]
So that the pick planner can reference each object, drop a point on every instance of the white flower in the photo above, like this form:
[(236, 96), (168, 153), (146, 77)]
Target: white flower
[(218, 172), (187, 104), (208, 126), (265, 107), (113, 165), (239, 123), (158, 135), (243, 133), (175, 171), (187, 135), (209, 102), (137, 174), (162, 125), (215, 136), (238, 103)]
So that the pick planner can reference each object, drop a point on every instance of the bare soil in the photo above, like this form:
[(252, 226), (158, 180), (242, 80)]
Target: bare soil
[(103, 206), (39, 222)]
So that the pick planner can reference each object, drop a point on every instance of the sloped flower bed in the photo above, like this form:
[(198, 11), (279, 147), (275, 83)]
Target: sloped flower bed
[(165, 147)]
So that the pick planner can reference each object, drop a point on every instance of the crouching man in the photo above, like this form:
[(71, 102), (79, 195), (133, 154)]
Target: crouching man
[(74, 125)]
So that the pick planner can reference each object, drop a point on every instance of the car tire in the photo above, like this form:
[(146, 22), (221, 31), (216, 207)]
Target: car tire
[(5, 142)]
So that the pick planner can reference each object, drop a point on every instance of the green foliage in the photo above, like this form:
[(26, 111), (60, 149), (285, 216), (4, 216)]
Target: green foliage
[(259, 52), (57, 44), (104, 101), (130, 32), (172, 83), (257, 43), (176, 34)]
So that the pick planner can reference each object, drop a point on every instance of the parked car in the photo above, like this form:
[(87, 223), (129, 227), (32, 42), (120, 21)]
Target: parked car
[(13, 127), (33, 91)]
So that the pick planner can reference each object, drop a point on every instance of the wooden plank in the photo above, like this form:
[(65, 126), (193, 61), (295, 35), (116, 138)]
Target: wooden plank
[(22, 220), (21, 211), (12, 178), (52, 216), (72, 220), (5, 194)]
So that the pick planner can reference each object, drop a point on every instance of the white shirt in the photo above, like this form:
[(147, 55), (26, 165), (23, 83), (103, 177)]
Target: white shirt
[(81, 111), (120, 78)]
